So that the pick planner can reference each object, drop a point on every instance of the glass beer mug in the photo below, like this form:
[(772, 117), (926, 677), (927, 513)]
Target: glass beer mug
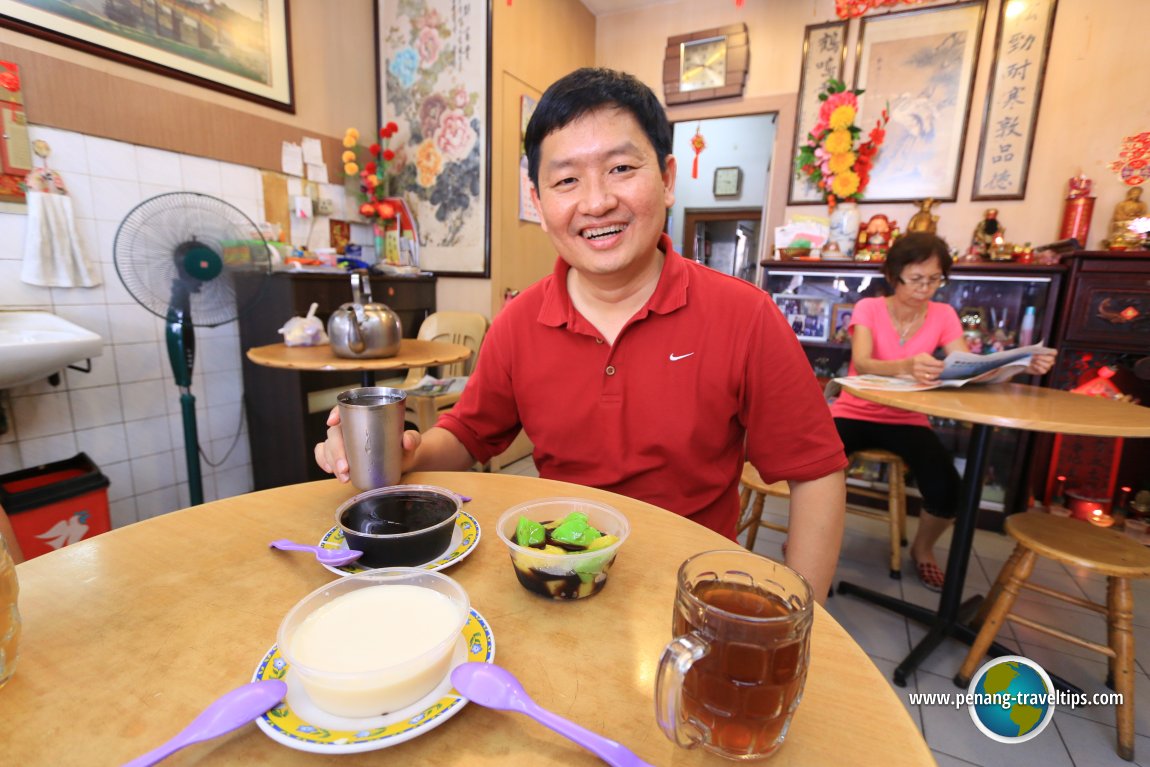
[(733, 675)]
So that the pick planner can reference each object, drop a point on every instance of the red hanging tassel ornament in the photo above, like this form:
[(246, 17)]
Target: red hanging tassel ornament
[(698, 144)]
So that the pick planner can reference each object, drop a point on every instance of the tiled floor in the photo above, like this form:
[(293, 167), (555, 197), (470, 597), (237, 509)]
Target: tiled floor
[(1082, 737)]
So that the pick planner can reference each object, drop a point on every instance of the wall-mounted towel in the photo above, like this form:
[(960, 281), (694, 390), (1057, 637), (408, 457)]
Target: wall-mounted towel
[(53, 253)]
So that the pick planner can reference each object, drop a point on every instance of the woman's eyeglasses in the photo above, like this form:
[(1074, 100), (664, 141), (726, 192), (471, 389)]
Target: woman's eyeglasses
[(922, 282)]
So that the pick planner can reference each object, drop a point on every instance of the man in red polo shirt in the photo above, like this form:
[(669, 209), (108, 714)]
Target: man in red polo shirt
[(630, 368)]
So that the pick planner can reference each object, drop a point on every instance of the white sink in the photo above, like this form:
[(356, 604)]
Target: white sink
[(34, 345)]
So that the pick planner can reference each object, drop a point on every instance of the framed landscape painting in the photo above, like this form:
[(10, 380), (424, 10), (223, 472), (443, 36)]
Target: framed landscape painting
[(919, 65), (240, 47)]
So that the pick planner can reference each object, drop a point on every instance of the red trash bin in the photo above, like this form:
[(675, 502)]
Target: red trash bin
[(56, 504)]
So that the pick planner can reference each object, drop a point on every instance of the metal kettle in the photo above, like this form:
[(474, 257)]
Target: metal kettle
[(362, 328)]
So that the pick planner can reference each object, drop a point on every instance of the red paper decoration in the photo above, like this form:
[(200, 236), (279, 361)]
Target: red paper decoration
[(846, 9), (698, 144), (1133, 163)]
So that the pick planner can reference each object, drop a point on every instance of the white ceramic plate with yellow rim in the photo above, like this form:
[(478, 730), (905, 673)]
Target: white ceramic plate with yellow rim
[(298, 723), (464, 539)]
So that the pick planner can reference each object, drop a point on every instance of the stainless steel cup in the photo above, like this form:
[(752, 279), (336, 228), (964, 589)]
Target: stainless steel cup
[(371, 419)]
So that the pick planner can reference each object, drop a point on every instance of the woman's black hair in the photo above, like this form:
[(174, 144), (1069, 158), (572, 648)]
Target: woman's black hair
[(915, 248), (586, 90)]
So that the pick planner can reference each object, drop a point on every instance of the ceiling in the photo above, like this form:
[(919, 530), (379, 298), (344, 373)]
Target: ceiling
[(601, 7)]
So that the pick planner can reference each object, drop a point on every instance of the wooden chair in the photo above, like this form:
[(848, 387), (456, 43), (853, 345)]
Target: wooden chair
[(466, 328), (1079, 544), (755, 491)]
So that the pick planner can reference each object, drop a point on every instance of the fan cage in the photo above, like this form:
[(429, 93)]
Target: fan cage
[(148, 238)]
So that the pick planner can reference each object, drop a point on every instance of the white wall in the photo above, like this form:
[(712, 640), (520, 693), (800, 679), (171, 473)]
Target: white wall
[(125, 414)]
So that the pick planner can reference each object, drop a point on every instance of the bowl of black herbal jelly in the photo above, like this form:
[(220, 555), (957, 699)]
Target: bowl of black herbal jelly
[(400, 525), (563, 548)]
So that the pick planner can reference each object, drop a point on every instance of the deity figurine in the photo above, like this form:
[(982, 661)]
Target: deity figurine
[(875, 238), (1080, 186), (1121, 236), (987, 234), (924, 220)]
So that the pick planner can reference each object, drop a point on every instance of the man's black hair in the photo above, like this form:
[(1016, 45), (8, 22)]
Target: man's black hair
[(586, 90)]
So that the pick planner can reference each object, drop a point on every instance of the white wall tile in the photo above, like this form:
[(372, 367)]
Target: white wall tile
[(13, 229), (145, 399), (151, 472), (103, 372), (41, 415), (145, 439), (240, 182), (201, 175), (103, 246), (223, 388), (132, 324), (60, 447), (97, 406), (82, 296), (105, 445), (110, 159), (148, 191), (15, 293), (122, 512), (93, 317), (235, 481), (119, 476), (156, 166), (10, 459), (222, 423), (157, 503), (112, 199), (141, 362)]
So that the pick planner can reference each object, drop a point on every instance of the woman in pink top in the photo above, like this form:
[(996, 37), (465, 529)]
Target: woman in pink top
[(897, 335)]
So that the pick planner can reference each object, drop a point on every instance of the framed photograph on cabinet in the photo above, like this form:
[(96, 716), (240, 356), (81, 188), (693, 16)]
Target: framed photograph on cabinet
[(241, 49), (435, 67), (840, 319), (1021, 48), (919, 65), (824, 56), (808, 316)]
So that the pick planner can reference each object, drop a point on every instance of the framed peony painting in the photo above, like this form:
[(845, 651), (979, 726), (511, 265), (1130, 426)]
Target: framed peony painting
[(919, 65), (434, 65), (241, 48)]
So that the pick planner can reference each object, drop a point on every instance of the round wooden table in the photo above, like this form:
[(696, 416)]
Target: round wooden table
[(412, 353), (129, 635), (1014, 406)]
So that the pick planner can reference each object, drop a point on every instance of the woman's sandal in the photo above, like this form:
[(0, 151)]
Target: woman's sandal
[(930, 575)]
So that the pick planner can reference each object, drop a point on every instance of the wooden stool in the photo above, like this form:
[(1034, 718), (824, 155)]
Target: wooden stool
[(1080, 544), (755, 491)]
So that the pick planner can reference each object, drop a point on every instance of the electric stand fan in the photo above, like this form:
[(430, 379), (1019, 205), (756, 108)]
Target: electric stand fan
[(176, 253)]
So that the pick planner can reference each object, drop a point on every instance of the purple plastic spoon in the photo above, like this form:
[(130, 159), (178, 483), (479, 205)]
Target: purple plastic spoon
[(333, 557), (235, 709), (496, 687)]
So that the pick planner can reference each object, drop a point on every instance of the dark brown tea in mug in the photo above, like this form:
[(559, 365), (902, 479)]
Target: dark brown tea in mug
[(745, 689)]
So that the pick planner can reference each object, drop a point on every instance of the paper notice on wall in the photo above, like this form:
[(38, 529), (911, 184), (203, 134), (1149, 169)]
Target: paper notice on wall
[(312, 151), (292, 159), (317, 172)]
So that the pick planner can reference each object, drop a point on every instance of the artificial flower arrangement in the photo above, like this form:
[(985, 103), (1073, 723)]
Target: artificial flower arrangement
[(373, 181), (830, 157), (391, 221)]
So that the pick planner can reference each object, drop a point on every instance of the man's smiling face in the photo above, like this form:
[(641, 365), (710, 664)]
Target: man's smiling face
[(601, 195)]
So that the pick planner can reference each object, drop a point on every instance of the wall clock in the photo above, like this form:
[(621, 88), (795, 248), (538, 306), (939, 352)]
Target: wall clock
[(728, 182), (708, 64)]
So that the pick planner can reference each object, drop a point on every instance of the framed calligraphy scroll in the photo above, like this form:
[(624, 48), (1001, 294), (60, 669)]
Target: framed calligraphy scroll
[(435, 71), (1008, 122), (824, 55), (920, 66)]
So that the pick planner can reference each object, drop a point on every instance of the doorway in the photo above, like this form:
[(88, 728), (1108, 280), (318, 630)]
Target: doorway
[(725, 240)]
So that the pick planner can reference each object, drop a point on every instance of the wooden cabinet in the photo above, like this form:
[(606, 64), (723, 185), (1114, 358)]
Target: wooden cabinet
[(286, 410), (1104, 330)]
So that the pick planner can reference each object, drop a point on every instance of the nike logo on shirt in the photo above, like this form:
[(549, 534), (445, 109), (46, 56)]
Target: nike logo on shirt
[(676, 358)]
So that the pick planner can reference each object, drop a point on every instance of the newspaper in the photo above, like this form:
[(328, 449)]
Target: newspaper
[(961, 368)]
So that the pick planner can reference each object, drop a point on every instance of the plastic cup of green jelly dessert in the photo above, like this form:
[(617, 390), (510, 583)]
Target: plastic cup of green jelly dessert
[(571, 575)]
